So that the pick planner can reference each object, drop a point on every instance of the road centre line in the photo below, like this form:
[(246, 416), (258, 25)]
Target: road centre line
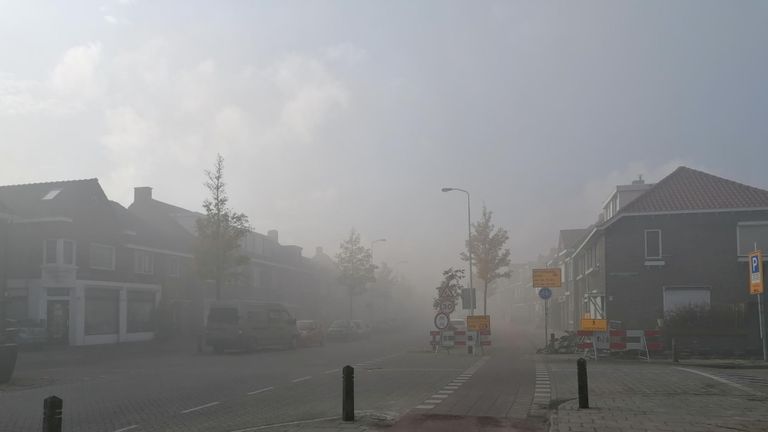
[(274, 425), (200, 407), (261, 390), (302, 379), (127, 428), (724, 381)]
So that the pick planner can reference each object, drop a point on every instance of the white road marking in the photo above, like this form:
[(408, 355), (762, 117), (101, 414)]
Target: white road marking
[(331, 371), (433, 401), (451, 387), (445, 391), (127, 428), (261, 390), (200, 407), (425, 406), (301, 379), (724, 381), (439, 396), (274, 425)]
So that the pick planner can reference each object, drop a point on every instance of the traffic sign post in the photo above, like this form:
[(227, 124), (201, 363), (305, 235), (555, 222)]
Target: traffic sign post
[(756, 286), (545, 293)]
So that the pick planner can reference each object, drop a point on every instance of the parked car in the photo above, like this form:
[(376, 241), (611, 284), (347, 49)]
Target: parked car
[(249, 325), (342, 330), (310, 333)]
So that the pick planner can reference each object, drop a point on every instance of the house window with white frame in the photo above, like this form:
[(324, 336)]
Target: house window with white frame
[(173, 264), (653, 244), (144, 262), (59, 251), (102, 256)]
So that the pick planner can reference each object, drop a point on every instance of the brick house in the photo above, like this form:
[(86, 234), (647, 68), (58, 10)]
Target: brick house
[(679, 242), (274, 272), (83, 265)]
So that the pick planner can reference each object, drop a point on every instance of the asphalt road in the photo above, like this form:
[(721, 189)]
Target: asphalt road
[(185, 391)]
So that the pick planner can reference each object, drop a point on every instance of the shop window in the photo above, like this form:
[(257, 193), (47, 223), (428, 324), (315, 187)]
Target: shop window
[(140, 311), (102, 311)]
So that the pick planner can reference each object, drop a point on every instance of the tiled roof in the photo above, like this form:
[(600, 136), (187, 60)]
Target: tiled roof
[(687, 189), (26, 200), (569, 238)]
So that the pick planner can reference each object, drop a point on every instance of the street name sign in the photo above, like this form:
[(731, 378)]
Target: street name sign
[(478, 322), (594, 324), (547, 278), (756, 273)]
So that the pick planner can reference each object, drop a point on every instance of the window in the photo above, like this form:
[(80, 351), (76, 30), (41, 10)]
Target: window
[(51, 248), (140, 311), (52, 194), (102, 257), (59, 251), (174, 266), (102, 311), (144, 262), (751, 234), (653, 244)]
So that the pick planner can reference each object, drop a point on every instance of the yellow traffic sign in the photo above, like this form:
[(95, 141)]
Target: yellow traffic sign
[(547, 278), (478, 322), (756, 273), (594, 324)]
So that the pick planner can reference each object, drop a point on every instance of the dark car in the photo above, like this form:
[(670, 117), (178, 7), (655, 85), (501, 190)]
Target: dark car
[(310, 333), (244, 325), (342, 330)]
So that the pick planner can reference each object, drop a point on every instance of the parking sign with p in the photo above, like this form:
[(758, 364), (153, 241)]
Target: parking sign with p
[(756, 273)]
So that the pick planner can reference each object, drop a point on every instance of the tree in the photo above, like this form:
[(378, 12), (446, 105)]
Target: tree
[(355, 267), (488, 253), (219, 232), (451, 285)]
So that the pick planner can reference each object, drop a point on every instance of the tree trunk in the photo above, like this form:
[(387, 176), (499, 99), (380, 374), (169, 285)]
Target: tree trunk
[(351, 301), (485, 298)]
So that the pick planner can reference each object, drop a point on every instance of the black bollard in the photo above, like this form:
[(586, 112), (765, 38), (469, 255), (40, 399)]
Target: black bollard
[(675, 355), (581, 366), (348, 394), (52, 407)]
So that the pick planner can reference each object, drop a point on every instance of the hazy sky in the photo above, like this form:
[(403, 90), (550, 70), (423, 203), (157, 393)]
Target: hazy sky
[(332, 115)]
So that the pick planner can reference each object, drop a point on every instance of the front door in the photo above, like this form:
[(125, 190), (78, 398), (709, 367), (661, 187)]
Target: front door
[(58, 321)]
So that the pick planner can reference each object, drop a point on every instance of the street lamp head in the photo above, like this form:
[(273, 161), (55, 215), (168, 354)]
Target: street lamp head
[(446, 189)]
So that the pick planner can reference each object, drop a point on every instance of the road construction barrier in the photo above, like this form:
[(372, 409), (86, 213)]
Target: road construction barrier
[(442, 339), (593, 343), (626, 340), (644, 341), (460, 338), (485, 337)]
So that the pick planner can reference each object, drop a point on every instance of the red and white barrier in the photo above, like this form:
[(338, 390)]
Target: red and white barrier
[(485, 337), (641, 340)]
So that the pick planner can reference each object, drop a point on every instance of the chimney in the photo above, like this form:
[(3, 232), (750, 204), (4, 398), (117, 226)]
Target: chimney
[(272, 234), (142, 194)]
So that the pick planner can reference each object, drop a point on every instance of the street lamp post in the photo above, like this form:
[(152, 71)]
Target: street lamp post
[(381, 240), (469, 246)]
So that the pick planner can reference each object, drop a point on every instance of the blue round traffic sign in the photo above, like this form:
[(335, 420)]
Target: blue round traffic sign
[(545, 293)]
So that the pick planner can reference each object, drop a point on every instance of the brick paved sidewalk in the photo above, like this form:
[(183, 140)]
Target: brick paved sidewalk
[(641, 396)]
